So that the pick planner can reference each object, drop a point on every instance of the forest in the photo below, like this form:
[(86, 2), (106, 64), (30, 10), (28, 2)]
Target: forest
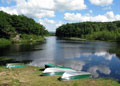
[(11, 25), (106, 31)]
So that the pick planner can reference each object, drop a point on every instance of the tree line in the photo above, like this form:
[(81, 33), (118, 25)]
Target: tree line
[(11, 25), (91, 30)]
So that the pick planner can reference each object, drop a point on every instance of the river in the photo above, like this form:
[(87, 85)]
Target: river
[(102, 59)]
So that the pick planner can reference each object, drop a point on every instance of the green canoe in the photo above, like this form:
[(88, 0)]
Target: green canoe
[(75, 75), (14, 65), (55, 71), (56, 66)]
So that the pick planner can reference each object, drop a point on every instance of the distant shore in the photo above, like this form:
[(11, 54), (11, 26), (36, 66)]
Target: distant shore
[(81, 39), (74, 38)]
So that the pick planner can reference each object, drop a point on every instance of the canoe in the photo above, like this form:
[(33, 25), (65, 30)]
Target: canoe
[(75, 75), (56, 66), (14, 65), (55, 71)]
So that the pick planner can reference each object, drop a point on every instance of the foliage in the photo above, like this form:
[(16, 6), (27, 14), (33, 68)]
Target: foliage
[(102, 35), (5, 58), (91, 30), (4, 42), (10, 25), (32, 37), (29, 38), (52, 33)]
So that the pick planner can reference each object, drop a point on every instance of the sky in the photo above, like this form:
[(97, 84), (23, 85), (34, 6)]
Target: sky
[(54, 13)]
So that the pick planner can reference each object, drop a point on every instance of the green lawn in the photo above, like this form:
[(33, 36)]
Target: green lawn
[(30, 76)]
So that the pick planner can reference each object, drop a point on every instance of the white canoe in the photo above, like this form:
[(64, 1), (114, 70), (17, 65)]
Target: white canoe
[(75, 75), (55, 71), (14, 65)]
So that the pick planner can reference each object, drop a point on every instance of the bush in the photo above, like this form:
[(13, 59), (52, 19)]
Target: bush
[(4, 42), (103, 35)]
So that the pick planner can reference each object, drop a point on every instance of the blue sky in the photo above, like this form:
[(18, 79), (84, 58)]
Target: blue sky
[(53, 13)]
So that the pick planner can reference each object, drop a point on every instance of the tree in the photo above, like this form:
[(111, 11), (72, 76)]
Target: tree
[(91, 30)]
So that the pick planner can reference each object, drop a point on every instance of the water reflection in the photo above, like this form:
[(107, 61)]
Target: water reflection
[(105, 55), (101, 68), (75, 64), (99, 58)]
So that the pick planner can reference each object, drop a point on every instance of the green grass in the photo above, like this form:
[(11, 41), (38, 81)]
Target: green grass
[(4, 42), (74, 38), (24, 38), (30, 76), (1, 68), (5, 58)]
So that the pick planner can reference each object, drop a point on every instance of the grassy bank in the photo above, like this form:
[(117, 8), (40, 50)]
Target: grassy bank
[(4, 60), (30, 76), (24, 38), (83, 39), (74, 38), (4, 42)]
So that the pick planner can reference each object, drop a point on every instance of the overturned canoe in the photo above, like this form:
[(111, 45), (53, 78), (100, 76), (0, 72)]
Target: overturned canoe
[(75, 75), (56, 66), (14, 65), (55, 71)]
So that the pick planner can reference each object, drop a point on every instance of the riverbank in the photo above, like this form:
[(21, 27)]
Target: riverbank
[(74, 38), (23, 39), (82, 39), (30, 76), (4, 42)]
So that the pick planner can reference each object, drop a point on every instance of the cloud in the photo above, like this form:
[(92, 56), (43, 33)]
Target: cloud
[(39, 13), (43, 4), (107, 8), (11, 10), (50, 25), (59, 23), (31, 8), (59, 5), (105, 54), (109, 16), (72, 16), (33, 13), (63, 5), (101, 2), (102, 69), (46, 21), (75, 64), (90, 11), (42, 8)]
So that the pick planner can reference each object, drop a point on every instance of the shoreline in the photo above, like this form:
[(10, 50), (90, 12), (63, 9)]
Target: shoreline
[(30, 76), (6, 42), (74, 38), (81, 39)]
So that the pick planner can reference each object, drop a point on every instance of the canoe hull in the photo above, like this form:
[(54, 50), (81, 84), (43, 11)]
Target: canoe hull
[(56, 66), (52, 73), (76, 77), (55, 71), (14, 65)]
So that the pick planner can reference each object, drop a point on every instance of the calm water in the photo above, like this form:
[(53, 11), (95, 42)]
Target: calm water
[(102, 59)]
